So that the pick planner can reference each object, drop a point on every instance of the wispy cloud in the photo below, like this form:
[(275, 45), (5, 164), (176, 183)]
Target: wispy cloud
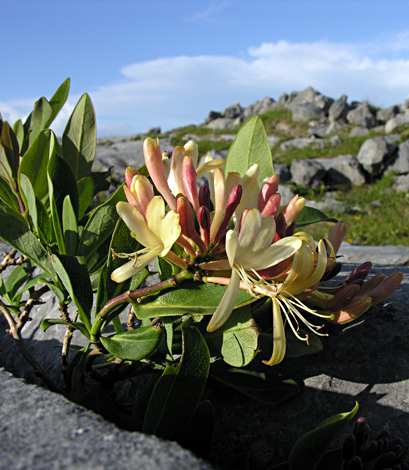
[(175, 91), (209, 15)]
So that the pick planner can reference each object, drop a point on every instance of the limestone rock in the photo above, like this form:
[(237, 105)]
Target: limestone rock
[(400, 161), (233, 111), (339, 109), (401, 183), (305, 112), (223, 123), (343, 169), (311, 96), (282, 171), (358, 131), (361, 116), (305, 172), (397, 121), (329, 204), (298, 142), (374, 153), (386, 114)]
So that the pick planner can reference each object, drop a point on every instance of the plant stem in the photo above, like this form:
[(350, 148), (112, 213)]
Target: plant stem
[(129, 296)]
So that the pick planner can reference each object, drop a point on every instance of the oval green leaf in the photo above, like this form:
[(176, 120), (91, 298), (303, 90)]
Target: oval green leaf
[(310, 215), (133, 345), (250, 146), (190, 297)]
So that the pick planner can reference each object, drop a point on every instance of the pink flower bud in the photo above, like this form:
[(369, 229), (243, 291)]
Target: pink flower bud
[(293, 209), (386, 288), (187, 222), (154, 164), (272, 205), (189, 182), (232, 203), (129, 175), (204, 196), (337, 235), (175, 179), (352, 311), (270, 187)]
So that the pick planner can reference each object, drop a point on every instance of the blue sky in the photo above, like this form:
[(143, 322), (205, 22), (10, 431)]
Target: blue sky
[(168, 63)]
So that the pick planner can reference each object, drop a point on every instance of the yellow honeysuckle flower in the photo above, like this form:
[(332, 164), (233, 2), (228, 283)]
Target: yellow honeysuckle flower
[(157, 233), (249, 251)]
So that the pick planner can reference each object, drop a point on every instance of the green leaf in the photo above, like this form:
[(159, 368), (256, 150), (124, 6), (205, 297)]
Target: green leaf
[(133, 345), (86, 193), (15, 232), (58, 100), (310, 215), (70, 228), (7, 195), (179, 390), (18, 130), (44, 223), (29, 199), (62, 183), (73, 272), (310, 448), (36, 121), (31, 283), (102, 180), (15, 280), (198, 434), (35, 161), (265, 388), (80, 138), (237, 340), (11, 149), (100, 225), (75, 375), (164, 268), (250, 146), (121, 242), (47, 322), (191, 297)]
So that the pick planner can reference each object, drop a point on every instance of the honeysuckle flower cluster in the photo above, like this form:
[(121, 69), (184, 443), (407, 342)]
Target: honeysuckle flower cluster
[(232, 232)]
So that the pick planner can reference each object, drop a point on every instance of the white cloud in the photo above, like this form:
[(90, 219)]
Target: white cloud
[(208, 15), (174, 91)]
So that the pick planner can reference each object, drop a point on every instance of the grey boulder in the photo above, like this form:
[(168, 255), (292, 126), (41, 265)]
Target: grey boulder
[(397, 121), (343, 169), (374, 153), (339, 109), (361, 116), (306, 172)]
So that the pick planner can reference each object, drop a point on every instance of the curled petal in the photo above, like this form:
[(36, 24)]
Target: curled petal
[(279, 346), (227, 303)]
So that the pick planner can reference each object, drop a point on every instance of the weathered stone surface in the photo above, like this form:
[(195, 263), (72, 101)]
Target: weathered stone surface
[(305, 112), (399, 162), (121, 153), (212, 116), (42, 430), (334, 141), (154, 130), (339, 109), (374, 153), (361, 116), (286, 194), (282, 171), (386, 114), (233, 111), (311, 96), (223, 123), (329, 204), (298, 142), (358, 131), (343, 169), (305, 172), (260, 107), (273, 140), (401, 184), (397, 121)]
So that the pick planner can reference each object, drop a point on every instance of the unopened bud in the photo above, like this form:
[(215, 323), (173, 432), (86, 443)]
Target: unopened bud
[(204, 196), (269, 188), (355, 464), (361, 432), (232, 203), (272, 205), (337, 235), (386, 288), (154, 164), (292, 210), (129, 175), (203, 217), (189, 182), (192, 150), (349, 447)]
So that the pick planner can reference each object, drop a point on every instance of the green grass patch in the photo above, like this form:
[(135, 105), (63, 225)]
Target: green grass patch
[(387, 224)]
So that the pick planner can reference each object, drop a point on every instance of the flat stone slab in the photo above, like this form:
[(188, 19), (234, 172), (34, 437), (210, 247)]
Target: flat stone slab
[(388, 254), (42, 430)]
